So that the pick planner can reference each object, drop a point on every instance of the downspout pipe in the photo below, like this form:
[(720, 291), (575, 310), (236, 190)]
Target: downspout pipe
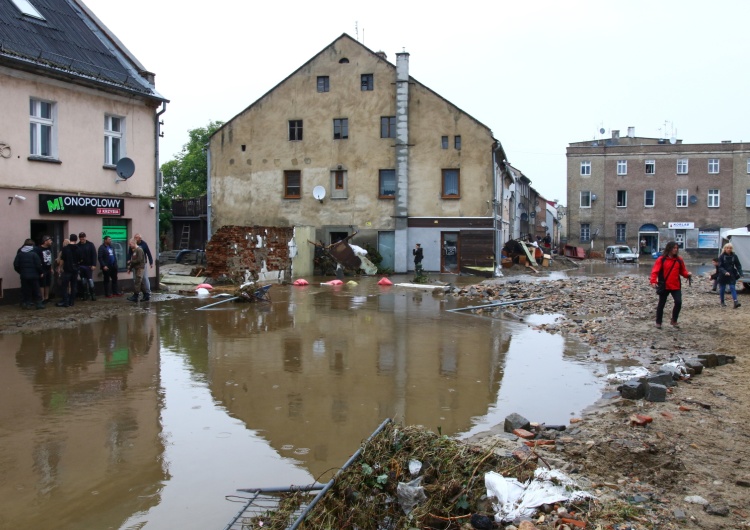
[(157, 182), (209, 209)]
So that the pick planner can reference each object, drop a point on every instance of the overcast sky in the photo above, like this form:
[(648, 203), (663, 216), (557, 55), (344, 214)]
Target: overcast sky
[(539, 74)]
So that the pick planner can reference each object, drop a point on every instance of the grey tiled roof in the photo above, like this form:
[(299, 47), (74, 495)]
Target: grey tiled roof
[(68, 42)]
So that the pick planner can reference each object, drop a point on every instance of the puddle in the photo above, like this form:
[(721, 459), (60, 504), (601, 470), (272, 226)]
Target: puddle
[(165, 413)]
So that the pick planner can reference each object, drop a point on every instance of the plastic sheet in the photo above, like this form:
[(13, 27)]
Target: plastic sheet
[(627, 375), (515, 499)]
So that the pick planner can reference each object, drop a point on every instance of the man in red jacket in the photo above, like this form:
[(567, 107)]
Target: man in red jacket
[(670, 267)]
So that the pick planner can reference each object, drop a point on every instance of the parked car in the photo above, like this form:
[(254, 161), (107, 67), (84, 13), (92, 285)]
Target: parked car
[(620, 254)]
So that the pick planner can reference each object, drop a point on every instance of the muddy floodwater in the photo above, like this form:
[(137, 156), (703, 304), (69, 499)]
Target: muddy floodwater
[(153, 418)]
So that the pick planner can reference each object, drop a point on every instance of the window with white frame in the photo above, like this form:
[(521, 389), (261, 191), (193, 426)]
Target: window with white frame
[(620, 232), (586, 167), (748, 166), (682, 166), (585, 232), (585, 199), (747, 199), (714, 196), (713, 166), (649, 198), (682, 198), (622, 167), (650, 167), (622, 198), (114, 129), (42, 132)]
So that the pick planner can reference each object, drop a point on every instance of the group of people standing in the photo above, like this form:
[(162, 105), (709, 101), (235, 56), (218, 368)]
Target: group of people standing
[(669, 268), (75, 265)]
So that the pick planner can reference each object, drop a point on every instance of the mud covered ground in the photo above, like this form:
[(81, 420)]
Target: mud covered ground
[(697, 448)]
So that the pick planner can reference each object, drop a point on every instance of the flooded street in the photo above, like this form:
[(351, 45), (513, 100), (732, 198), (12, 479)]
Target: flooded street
[(150, 419)]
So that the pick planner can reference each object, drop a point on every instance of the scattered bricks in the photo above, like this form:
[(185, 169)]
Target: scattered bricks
[(515, 421), (708, 360), (683, 408), (656, 393), (523, 433), (695, 365), (640, 420), (575, 420), (522, 454), (668, 415), (632, 389), (573, 522), (536, 443)]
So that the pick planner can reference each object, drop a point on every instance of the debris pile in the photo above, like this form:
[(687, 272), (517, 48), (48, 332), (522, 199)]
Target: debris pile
[(407, 477)]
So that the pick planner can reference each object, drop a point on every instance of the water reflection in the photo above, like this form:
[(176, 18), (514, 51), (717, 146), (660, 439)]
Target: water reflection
[(78, 425), (148, 420)]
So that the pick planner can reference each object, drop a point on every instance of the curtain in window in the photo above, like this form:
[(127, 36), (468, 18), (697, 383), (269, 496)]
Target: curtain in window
[(450, 183)]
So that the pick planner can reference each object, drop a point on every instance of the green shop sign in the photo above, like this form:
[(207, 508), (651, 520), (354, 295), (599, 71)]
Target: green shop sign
[(118, 233), (75, 205)]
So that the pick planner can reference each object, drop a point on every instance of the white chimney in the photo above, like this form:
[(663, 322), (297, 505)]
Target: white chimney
[(631, 132)]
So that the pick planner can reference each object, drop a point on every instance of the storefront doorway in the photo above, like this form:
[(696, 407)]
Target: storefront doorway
[(450, 257)]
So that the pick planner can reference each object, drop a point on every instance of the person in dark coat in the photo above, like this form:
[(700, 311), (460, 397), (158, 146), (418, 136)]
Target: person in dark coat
[(70, 257), (418, 257), (729, 271), (671, 267), (29, 267), (108, 264), (88, 264)]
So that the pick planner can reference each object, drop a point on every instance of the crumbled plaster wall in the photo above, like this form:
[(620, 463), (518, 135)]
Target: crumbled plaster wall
[(257, 249)]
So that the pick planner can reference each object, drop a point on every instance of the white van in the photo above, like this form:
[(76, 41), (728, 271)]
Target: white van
[(620, 254)]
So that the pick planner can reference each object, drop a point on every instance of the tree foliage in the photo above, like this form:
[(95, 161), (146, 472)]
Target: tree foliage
[(185, 176)]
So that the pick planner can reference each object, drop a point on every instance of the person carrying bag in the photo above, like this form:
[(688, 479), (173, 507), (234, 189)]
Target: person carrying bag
[(665, 278)]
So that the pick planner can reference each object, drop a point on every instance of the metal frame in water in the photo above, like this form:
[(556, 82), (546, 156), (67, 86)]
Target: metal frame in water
[(265, 500)]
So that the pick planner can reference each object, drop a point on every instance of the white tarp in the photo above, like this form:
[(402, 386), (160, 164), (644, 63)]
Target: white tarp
[(515, 499)]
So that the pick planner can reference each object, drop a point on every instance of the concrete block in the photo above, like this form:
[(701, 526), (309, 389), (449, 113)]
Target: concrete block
[(633, 389), (656, 393), (695, 365), (516, 421), (709, 360)]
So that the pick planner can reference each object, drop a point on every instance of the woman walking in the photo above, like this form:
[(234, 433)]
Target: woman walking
[(729, 271), (667, 270)]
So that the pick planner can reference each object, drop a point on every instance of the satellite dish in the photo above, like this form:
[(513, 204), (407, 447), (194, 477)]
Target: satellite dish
[(538, 209), (602, 131), (543, 224), (673, 140), (125, 168), (319, 192), (593, 196), (524, 217), (532, 214), (693, 199)]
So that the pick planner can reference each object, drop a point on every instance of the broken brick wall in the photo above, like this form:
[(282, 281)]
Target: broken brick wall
[(236, 249)]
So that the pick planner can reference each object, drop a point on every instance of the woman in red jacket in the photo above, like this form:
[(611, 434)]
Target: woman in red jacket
[(671, 267)]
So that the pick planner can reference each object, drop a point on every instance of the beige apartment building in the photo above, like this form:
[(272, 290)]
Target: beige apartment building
[(644, 192), (78, 135), (349, 142)]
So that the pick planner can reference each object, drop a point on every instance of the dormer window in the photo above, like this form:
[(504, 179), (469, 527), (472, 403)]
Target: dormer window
[(28, 9)]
